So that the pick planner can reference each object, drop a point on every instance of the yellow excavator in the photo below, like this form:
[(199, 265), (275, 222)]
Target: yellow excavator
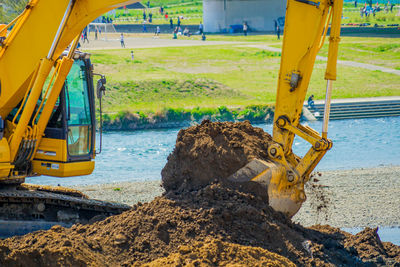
[(47, 110)]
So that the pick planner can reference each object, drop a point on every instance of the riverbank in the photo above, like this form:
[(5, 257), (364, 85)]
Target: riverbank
[(188, 75), (354, 198), (179, 117)]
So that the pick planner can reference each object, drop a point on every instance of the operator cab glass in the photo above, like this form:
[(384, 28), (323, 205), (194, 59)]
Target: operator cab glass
[(79, 119)]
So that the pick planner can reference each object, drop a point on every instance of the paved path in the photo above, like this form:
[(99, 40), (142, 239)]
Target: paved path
[(342, 62), (149, 42)]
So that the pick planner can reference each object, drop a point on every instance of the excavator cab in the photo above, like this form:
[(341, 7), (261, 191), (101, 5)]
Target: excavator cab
[(68, 146)]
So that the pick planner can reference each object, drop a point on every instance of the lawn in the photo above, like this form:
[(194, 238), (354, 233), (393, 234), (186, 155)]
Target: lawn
[(230, 75), (383, 52), (192, 11)]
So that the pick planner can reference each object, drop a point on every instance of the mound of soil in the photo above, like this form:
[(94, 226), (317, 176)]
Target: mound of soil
[(199, 222), (214, 252), (212, 151), (157, 229)]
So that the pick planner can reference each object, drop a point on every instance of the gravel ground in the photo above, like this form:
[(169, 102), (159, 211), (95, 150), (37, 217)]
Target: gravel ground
[(353, 198)]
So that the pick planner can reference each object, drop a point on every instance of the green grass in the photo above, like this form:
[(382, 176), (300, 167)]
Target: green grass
[(351, 15), (383, 52), (229, 75), (192, 11)]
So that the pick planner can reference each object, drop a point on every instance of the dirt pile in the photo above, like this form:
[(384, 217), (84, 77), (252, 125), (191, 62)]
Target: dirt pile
[(199, 223), (212, 151), (157, 229), (215, 252)]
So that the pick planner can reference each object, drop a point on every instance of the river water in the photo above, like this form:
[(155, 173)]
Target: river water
[(141, 155)]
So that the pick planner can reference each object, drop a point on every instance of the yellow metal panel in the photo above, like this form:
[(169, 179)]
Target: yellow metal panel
[(5, 165), (52, 149), (3, 34), (59, 169)]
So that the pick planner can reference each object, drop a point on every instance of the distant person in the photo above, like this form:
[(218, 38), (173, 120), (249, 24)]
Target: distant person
[(391, 7), (85, 37), (122, 40), (150, 17), (132, 56), (148, 4), (276, 25), (311, 101), (144, 14), (171, 23), (201, 28), (245, 28), (158, 31), (355, 3), (179, 21), (95, 34), (166, 16), (175, 33), (186, 32), (278, 32), (161, 10), (144, 26)]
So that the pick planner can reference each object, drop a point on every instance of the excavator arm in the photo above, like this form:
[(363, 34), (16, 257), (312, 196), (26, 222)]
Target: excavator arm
[(28, 53), (306, 25)]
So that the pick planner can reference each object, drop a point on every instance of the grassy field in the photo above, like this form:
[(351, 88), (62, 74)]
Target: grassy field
[(231, 75), (383, 52), (352, 15), (192, 11)]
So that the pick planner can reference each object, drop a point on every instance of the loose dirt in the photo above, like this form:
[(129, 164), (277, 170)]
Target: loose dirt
[(212, 151), (200, 224), (214, 252)]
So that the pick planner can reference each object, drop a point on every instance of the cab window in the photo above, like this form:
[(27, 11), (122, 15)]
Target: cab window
[(79, 119)]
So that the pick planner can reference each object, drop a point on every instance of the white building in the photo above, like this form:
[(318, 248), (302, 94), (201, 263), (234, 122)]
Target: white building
[(225, 15)]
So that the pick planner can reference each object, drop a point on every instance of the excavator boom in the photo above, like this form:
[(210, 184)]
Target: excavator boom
[(306, 26), (35, 35), (47, 113)]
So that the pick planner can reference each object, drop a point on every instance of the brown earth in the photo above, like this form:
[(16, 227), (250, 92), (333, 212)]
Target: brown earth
[(200, 224), (212, 151), (215, 252)]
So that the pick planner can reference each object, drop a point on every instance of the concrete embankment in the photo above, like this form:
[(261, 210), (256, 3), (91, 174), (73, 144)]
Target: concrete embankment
[(357, 108), (392, 32)]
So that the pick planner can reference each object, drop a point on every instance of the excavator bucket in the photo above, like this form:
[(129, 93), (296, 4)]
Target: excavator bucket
[(285, 193)]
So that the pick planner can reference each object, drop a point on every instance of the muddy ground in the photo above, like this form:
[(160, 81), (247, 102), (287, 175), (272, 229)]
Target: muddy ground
[(196, 222), (376, 204)]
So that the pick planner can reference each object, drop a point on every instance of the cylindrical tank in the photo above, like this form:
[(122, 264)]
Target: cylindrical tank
[(228, 15)]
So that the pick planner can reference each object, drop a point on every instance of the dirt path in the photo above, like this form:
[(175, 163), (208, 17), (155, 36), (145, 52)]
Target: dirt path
[(113, 42), (359, 198), (342, 62)]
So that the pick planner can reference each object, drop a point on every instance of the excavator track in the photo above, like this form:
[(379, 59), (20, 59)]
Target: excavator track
[(23, 211)]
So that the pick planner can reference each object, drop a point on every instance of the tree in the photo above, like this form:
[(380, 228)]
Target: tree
[(9, 9)]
